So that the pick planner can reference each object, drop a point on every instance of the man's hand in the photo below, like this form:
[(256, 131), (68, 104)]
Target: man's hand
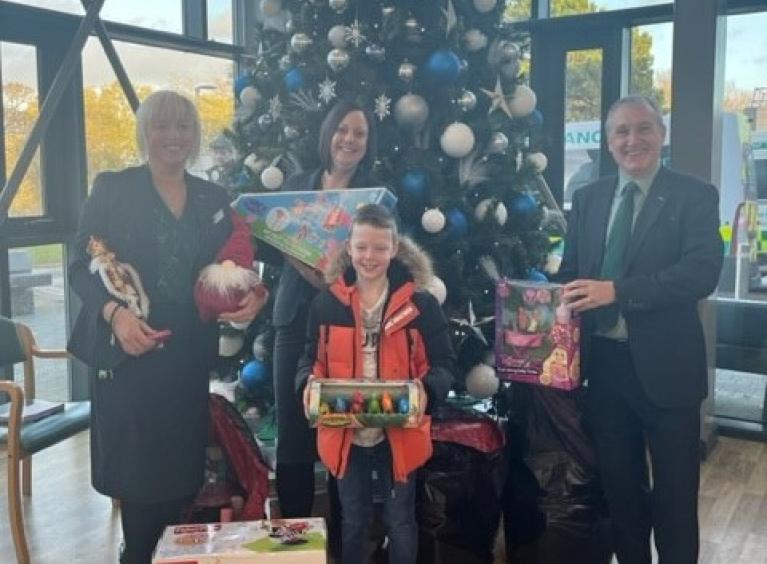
[(312, 276), (423, 399), (583, 295)]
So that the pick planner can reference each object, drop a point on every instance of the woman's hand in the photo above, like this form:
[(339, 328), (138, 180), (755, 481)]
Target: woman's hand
[(250, 306), (133, 334), (311, 275)]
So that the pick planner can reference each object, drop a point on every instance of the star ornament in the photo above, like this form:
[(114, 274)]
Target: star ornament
[(275, 107), (498, 99), (327, 90), (382, 107)]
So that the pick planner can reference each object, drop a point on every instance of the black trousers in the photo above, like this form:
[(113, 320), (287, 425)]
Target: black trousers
[(143, 525), (625, 424)]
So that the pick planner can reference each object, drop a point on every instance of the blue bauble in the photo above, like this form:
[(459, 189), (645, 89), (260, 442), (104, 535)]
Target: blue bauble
[(535, 119), (415, 182), (443, 67), (241, 83), (457, 224), (536, 275), (294, 79), (521, 206), (403, 405), (340, 405), (254, 375)]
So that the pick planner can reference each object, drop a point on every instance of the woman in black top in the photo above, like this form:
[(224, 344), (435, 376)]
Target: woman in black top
[(149, 413), (347, 149)]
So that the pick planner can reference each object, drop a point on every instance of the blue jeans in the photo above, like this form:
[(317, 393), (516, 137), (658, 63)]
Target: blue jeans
[(355, 490)]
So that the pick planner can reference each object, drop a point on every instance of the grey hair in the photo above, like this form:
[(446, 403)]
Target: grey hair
[(163, 103), (635, 100)]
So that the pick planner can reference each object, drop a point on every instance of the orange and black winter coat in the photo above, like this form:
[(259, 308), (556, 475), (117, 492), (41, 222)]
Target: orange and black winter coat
[(414, 343)]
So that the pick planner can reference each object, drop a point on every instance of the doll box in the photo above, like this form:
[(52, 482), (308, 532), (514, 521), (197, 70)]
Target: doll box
[(309, 225), (357, 403), (537, 339), (281, 541)]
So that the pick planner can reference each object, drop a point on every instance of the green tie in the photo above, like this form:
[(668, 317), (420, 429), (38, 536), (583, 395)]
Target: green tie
[(615, 252)]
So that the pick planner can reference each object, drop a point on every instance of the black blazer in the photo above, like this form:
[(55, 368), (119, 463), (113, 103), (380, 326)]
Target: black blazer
[(673, 261), (118, 210)]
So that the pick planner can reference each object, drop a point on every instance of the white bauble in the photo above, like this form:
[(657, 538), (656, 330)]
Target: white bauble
[(523, 102), (481, 381), (254, 163), (411, 111), (433, 220), (538, 161), (337, 36), (553, 261), (250, 96), (230, 343), (484, 6), (457, 140), (272, 178), (501, 214), (474, 40), (436, 287)]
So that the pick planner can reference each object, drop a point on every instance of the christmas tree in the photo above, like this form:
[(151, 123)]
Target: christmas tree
[(455, 122)]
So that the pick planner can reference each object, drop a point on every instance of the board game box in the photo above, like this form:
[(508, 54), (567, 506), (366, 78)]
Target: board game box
[(308, 225)]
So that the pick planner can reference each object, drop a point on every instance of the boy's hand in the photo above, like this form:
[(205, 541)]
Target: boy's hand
[(423, 399), (309, 380)]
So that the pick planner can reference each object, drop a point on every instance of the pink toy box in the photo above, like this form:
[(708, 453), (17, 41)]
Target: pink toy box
[(537, 338)]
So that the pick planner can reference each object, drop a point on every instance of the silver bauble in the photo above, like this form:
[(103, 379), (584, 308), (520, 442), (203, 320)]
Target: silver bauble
[(411, 112), (250, 96), (272, 178), (338, 5), (474, 40), (510, 70), (338, 59), (413, 30), (290, 26), (387, 11), (467, 101), (498, 142), (300, 42), (457, 140), (285, 62), (523, 101), (482, 382), (433, 220), (337, 36), (508, 52), (265, 121), (291, 133), (484, 6), (376, 52), (406, 71)]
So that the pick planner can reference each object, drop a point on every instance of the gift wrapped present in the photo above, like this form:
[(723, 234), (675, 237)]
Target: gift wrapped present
[(282, 541), (358, 403), (308, 225), (536, 337)]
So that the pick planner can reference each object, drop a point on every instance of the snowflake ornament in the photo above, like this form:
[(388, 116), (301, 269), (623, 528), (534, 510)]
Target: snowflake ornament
[(327, 90), (354, 33), (275, 107), (382, 107), (305, 101)]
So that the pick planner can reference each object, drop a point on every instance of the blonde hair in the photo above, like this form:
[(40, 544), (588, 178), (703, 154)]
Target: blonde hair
[(166, 103)]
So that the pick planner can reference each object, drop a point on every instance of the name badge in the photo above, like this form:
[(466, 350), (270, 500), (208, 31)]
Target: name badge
[(218, 216)]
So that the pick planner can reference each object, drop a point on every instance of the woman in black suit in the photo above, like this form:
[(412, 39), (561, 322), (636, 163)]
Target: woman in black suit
[(347, 149), (150, 400)]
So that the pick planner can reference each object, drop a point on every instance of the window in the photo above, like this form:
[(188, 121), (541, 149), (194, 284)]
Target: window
[(575, 7), (220, 21), (38, 300), (517, 10), (109, 121), (18, 64)]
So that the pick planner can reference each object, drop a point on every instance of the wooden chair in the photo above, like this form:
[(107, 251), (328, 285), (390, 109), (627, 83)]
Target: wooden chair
[(25, 439)]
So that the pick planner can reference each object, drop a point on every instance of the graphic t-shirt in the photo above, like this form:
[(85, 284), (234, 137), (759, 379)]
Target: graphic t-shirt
[(371, 334)]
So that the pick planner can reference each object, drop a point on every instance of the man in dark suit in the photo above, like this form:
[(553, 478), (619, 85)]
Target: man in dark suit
[(641, 250)]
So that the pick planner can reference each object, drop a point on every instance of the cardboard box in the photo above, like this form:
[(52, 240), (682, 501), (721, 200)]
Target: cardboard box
[(281, 541), (310, 226), (537, 339), (357, 403)]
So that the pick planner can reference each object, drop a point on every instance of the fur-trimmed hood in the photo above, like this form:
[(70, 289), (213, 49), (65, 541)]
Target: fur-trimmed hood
[(411, 261)]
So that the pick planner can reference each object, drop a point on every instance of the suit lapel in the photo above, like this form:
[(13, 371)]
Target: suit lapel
[(656, 199), (603, 200)]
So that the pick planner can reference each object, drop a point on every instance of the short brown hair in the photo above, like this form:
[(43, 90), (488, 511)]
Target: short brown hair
[(376, 215)]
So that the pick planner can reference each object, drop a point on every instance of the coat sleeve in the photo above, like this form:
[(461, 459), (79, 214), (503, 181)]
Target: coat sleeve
[(695, 274), (309, 356), (433, 326), (239, 246), (93, 221)]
